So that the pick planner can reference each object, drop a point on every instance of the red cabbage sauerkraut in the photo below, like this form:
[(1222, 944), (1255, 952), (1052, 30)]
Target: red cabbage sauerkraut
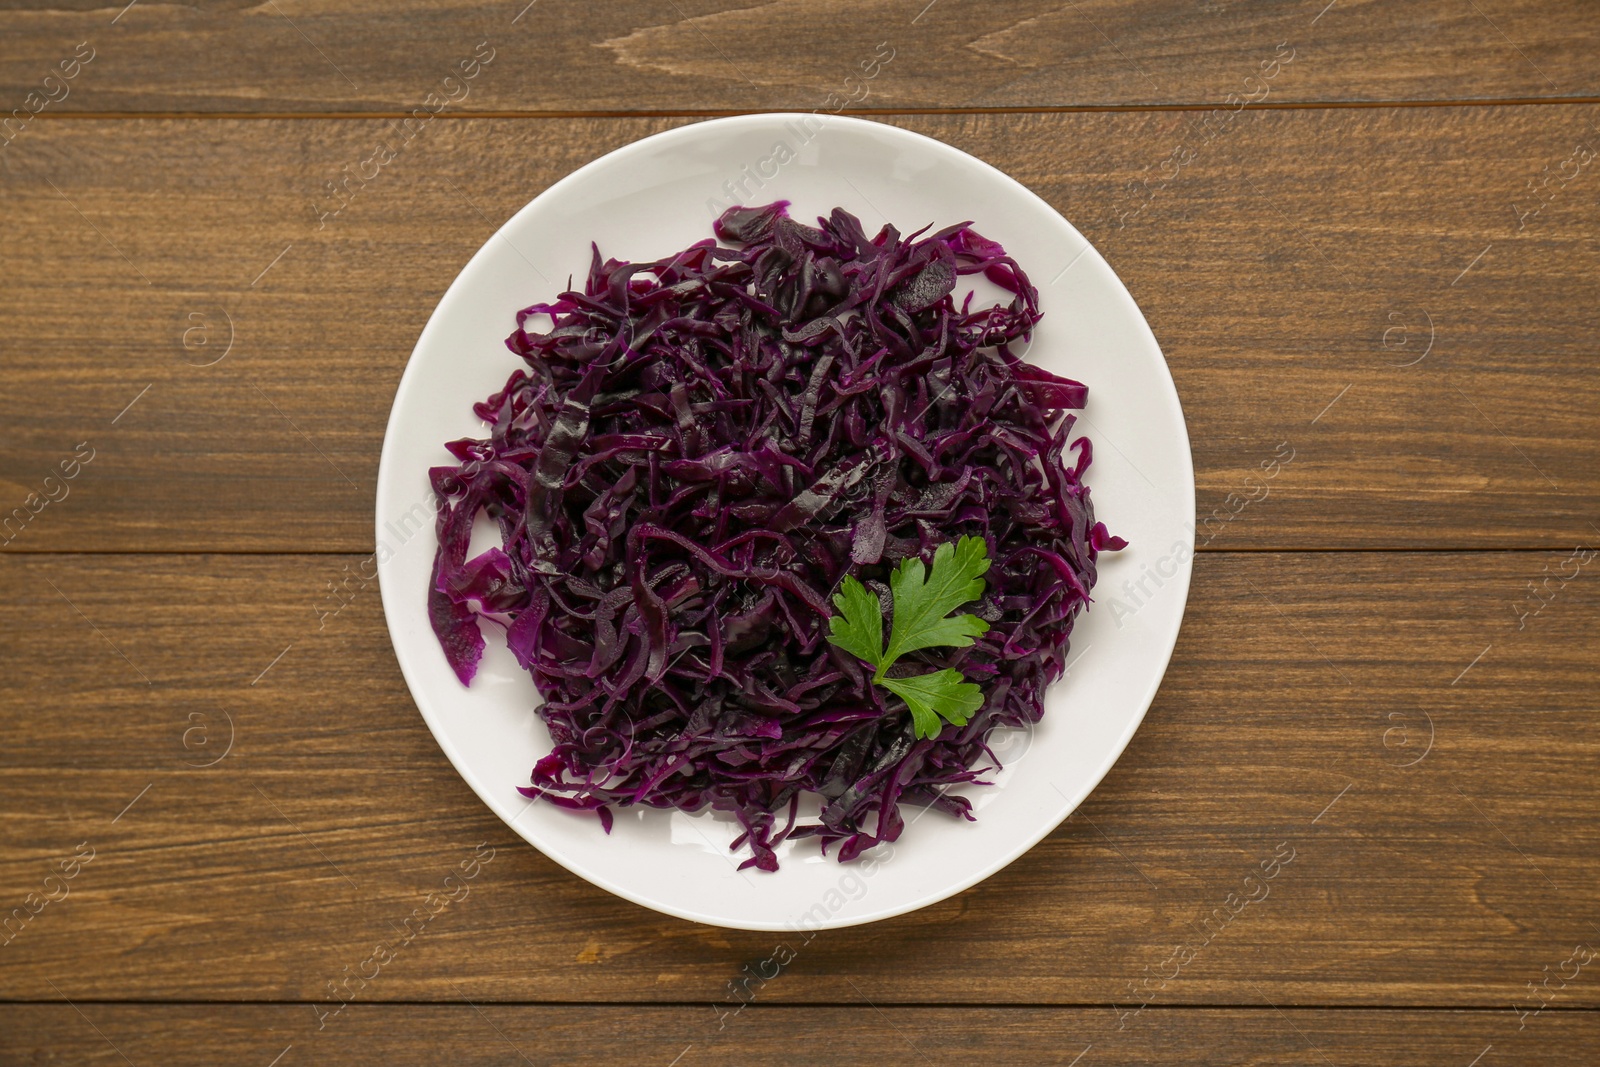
[(696, 454)]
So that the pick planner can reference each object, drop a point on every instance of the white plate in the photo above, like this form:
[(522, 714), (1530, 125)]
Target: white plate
[(646, 201)]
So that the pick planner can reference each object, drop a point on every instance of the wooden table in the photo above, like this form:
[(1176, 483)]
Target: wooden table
[(1364, 232)]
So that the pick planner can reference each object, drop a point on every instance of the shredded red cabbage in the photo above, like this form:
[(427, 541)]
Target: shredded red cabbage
[(699, 450)]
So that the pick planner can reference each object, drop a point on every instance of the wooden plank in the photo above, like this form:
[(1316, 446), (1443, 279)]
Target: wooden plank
[(181, 1034), (1376, 719), (638, 56), (1290, 269)]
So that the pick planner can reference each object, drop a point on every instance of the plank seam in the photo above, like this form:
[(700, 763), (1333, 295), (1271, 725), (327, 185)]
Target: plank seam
[(668, 113)]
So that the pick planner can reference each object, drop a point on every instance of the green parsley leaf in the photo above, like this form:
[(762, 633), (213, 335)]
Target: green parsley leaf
[(922, 605), (858, 628), (943, 693)]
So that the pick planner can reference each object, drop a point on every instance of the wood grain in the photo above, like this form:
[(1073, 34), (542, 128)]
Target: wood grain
[(683, 55), (1378, 715), (1291, 270), (1402, 295), (473, 1034)]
